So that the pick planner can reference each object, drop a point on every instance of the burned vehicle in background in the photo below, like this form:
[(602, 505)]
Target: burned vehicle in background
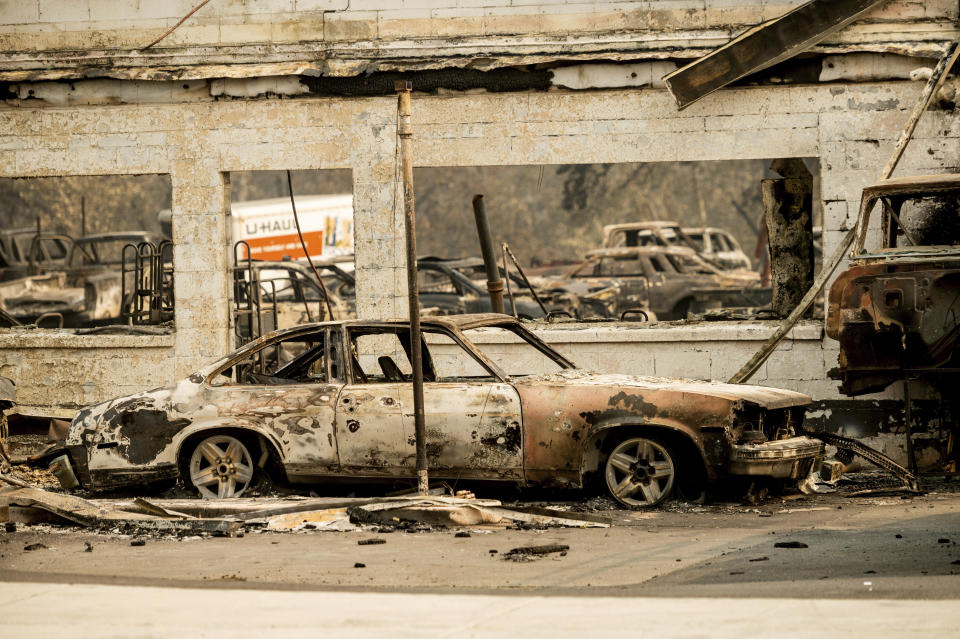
[(269, 295), (674, 279), (716, 246), (896, 310), (89, 288), (456, 286), (343, 408), (27, 251), (573, 299)]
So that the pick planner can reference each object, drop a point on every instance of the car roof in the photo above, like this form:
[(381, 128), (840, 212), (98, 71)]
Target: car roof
[(455, 322), (650, 224), (126, 235), (642, 250), (918, 184)]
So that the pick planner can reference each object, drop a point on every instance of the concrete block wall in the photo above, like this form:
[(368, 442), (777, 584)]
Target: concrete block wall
[(850, 128), (98, 25)]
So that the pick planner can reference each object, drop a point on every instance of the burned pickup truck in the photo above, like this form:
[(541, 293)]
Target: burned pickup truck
[(896, 310), (334, 400), (86, 290), (673, 280)]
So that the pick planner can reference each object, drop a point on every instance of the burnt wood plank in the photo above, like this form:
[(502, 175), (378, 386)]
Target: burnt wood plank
[(763, 46)]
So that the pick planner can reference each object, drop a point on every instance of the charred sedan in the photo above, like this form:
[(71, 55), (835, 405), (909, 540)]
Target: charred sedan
[(334, 400)]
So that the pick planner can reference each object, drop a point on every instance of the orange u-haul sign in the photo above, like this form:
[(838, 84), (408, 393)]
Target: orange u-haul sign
[(268, 227)]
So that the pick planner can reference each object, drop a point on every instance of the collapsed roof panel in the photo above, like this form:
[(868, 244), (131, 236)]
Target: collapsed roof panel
[(764, 46)]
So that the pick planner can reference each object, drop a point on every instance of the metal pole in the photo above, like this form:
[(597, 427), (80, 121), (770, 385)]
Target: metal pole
[(533, 291), (405, 132), (494, 283), (506, 276), (83, 216), (908, 417)]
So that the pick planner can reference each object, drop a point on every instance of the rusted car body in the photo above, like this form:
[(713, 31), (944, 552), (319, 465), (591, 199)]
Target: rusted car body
[(86, 290), (673, 280), (715, 245), (334, 400), (286, 293), (25, 252), (896, 310), (718, 246)]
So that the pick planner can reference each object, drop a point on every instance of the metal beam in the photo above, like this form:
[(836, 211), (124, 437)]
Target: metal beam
[(763, 46)]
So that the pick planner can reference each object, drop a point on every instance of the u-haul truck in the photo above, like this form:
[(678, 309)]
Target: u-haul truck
[(268, 227)]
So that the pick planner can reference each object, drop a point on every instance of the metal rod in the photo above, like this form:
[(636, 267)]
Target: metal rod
[(755, 362), (911, 453), (303, 245), (405, 133), (513, 258), (506, 276), (494, 283), (174, 27), (83, 216)]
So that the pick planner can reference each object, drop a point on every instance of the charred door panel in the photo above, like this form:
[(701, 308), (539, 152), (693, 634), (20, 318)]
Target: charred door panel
[(473, 430), (373, 428), (301, 416)]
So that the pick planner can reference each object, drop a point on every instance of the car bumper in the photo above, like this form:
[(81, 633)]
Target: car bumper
[(73, 471), (792, 458)]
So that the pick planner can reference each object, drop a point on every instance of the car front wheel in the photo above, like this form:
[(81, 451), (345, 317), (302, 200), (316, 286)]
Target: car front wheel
[(640, 472), (220, 467)]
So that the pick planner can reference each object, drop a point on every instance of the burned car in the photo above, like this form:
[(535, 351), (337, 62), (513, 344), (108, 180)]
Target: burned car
[(87, 290), (25, 252), (335, 400), (896, 310), (717, 246), (673, 280), (286, 293)]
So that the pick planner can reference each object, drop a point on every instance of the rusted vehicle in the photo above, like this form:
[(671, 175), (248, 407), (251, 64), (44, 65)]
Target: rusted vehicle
[(896, 310), (342, 407), (674, 280), (574, 299), (717, 246), (289, 295), (87, 290), (25, 252), (8, 399), (456, 286)]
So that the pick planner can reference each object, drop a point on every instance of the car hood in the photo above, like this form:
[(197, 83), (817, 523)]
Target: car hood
[(767, 397)]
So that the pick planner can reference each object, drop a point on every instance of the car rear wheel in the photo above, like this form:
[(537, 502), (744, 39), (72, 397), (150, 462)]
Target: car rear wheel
[(640, 472), (220, 467)]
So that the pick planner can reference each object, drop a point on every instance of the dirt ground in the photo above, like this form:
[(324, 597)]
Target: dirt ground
[(881, 546)]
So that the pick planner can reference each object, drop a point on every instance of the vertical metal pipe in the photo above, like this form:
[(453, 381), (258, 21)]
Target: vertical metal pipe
[(506, 276), (908, 418), (405, 132), (494, 283)]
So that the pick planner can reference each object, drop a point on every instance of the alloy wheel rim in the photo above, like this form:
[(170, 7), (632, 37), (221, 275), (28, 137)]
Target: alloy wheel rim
[(640, 472), (221, 467)]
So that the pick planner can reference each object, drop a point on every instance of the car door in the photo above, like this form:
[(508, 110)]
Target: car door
[(372, 426), (287, 389), (473, 422)]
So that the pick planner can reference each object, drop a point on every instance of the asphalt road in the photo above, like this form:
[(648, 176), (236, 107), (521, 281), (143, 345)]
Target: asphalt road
[(691, 571)]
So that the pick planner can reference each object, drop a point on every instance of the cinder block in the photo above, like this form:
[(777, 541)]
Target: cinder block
[(352, 26), (59, 11), (19, 11)]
